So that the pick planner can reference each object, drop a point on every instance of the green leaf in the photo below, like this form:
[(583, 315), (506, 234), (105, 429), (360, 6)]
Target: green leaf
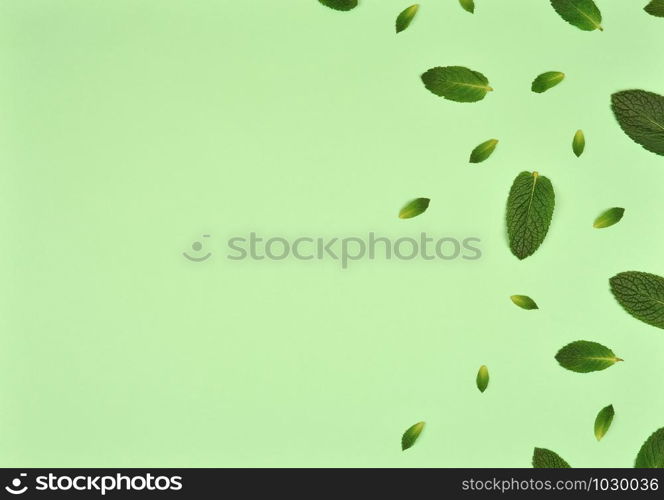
[(655, 8), (546, 80), (609, 217), (578, 143), (339, 4), (641, 295), (583, 356), (641, 116), (414, 208), (406, 17), (524, 302), (547, 459), (410, 436), (529, 211), (483, 151), (482, 378), (468, 5), (603, 421), (456, 83), (651, 454), (583, 14)]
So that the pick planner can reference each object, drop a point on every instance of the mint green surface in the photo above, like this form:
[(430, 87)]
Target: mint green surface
[(131, 128)]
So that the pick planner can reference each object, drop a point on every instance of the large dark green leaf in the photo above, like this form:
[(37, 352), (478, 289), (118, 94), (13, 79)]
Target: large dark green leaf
[(641, 116), (547, 459), (339, 4), (651, 454), (529, 211), (641, 295), (655, 8)]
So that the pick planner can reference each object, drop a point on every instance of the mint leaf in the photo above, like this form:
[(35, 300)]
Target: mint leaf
[(414, 208), (410, 436), (655, 8), (524, 302), (529, 211), (483, 151), (609, 217), (603, 421), (578, 143), (641, 295), (641, 116), (547, 459), (339, 4), (468, 5), (482, 378), (406, 17), (583, 14), (546, 80), (651, 454), (456, 83), (583, 356)]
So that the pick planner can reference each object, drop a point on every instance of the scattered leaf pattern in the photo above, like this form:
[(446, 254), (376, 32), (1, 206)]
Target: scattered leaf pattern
[(410, 436), (456, 83), (584, 356), (406, 17), (578, 143), (482, 378), (414, 208), (603, 421), (483, 151), (524, 302), (583, 14), (468, 5), (609, 217), (546, 80)]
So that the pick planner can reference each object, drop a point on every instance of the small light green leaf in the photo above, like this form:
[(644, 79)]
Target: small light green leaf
[(655, 8), (482, 378), (410, 436), (339, 4), (529, 211), (524, 302), (609, 217), (414, 208), (406, 17), (483, 151), (456, 83), (641, 295), (468, 5), (547, 459), (641, 116), (583, 356), (547, 80), (583, 14), (578, 143), (603, 421), (651, 454)]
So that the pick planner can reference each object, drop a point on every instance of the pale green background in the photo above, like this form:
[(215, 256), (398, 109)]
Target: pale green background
[(129, 127)]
